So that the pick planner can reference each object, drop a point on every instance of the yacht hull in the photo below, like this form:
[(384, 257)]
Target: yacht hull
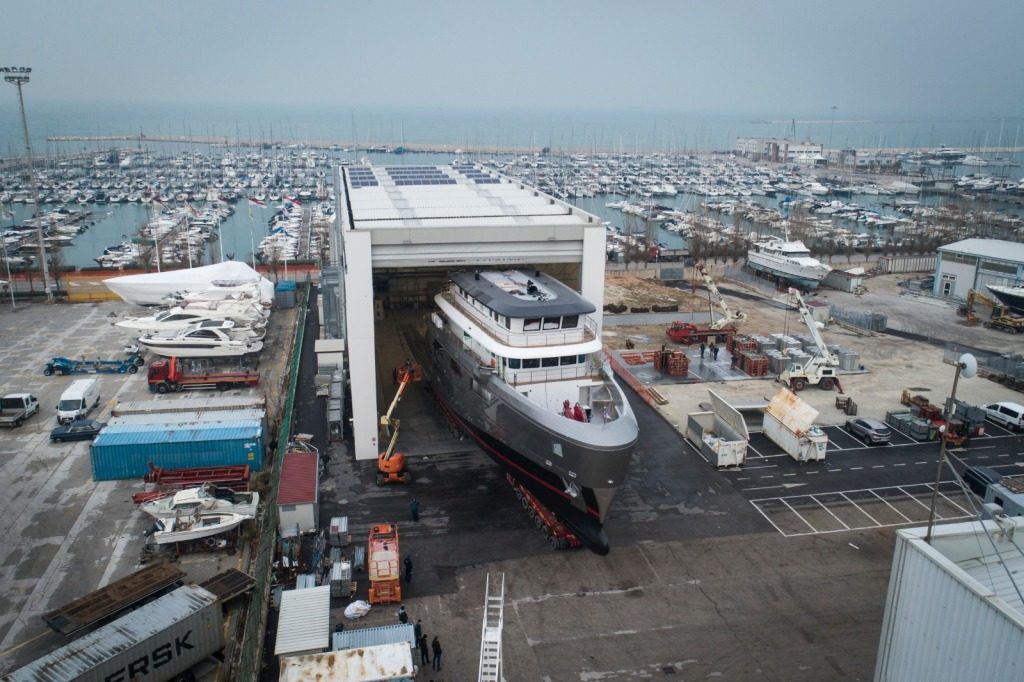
[(1012, 297), (579, 484), (791, 274)]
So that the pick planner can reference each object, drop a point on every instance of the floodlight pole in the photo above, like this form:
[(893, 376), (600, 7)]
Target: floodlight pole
[(946, 415), (19, 75)]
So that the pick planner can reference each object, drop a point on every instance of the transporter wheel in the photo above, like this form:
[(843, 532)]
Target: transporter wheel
[(48, 372), (525, 502), (134, 369), (538, 521), (161, 388), (554, 542)]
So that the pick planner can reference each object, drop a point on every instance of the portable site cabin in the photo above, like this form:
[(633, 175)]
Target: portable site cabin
[(297, 496)]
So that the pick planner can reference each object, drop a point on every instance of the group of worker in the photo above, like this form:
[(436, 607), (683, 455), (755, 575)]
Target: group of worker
[(712, 350), (421, 641)]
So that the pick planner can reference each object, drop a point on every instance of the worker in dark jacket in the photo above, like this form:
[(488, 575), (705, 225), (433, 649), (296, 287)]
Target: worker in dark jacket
[(436, 646), (424, 651), (414, 509), (408, 568)]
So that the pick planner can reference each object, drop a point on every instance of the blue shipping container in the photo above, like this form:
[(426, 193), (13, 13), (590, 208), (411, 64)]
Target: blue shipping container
[(127, 452)]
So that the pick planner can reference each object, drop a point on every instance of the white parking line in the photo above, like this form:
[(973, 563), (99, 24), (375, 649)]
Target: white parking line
[(878, 466), (900, 464), (765, 506)]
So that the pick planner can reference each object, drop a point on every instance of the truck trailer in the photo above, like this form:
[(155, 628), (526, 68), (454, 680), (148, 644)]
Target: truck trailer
[(154, 643), (173, 375)]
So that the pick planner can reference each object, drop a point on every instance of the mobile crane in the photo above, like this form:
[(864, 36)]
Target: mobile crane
[(689, 333), (391, 464), (731, 318), (821, 368)]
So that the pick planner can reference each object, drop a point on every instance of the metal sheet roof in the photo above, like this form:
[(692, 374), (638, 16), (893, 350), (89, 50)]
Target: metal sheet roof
[(83, 654), (190, 403), (298, 478), (364, 637), (997, 249), (180, 419), (304, 623), (142, 434), (498, 202), (370, 664)]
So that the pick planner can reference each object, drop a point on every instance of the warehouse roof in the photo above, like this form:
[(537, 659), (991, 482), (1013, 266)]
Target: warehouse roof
[(298, 478), (998, 249), (459, 195)]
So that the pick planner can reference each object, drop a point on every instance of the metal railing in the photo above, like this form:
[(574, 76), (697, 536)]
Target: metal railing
[(525, 339), (250, 658)]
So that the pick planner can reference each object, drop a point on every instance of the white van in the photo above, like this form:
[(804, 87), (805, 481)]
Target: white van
[(1010, 415), (77, 399)]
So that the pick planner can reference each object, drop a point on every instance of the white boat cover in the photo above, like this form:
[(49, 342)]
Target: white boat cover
[(150, 289)]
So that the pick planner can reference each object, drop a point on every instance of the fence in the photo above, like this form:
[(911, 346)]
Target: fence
[(872, 321), (1003, 364), (250, 657)]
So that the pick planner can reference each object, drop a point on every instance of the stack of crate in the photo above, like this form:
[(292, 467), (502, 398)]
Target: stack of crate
[(678, 364), (754, 364), (741, 343)]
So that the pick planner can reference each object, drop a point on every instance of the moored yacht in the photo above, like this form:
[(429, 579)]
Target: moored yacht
[(517, 364)]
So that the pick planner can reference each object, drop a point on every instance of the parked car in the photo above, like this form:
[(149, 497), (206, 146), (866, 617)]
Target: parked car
[(80, 429), (871, 431), (1010, 415)]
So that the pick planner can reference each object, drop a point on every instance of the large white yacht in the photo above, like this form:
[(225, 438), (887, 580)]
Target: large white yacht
[(242, 313), (517, 363), (787, 260), (210, 339)]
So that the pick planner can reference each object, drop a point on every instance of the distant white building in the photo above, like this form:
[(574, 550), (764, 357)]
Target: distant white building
[(781, 151), (973, 263)]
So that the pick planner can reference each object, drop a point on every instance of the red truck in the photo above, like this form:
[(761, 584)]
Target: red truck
[(688, 333), (170, 375)]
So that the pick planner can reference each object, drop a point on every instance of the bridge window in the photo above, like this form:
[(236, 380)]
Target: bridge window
[(567, 360), (552, 322), (531, 324), (514, 363), (570, 321), (531, 363), (549, 362)]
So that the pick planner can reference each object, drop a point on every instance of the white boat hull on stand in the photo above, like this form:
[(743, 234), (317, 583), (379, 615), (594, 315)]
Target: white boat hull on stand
[(192, 528)]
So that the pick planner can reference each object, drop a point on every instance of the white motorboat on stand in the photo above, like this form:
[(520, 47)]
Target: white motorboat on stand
[(190, 528), (203, 499), (212, 339), (243, 315)]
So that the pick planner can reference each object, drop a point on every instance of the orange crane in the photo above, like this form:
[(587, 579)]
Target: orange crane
[(391, 464), (382, 564)]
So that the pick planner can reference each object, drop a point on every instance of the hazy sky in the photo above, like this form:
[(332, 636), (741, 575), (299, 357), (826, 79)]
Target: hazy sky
[(768, 57)]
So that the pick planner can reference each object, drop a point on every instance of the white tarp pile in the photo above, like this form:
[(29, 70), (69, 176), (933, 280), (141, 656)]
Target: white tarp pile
[(155, 288)]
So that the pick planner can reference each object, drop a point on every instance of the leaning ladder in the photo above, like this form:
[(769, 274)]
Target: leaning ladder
[(490, 638)]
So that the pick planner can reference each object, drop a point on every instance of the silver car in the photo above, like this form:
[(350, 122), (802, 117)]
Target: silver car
[(871, 431)]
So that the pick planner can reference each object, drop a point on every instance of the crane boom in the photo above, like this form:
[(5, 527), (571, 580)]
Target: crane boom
[(730, 316), (812, 326)]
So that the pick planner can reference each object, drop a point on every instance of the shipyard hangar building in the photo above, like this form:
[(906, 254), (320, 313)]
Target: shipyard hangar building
[(402, 230), (975, 263)]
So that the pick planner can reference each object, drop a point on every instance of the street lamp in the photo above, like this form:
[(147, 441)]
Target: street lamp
[(831, 124), (966, 365), (19, 75)]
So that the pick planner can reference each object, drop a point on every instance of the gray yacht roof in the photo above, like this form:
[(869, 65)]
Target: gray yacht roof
[(507, 293)]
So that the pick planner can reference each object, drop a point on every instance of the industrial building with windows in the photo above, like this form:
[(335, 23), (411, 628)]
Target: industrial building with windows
[(975, 263)]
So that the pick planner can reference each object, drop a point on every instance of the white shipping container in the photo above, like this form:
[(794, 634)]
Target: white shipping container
[(952, 612), (156, 642), (805, 447)]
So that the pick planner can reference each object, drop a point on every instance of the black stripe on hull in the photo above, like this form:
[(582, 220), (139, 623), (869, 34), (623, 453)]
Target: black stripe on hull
[(544, 485)]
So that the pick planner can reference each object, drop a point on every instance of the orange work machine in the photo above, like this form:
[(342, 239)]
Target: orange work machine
[(383, 565), (391, 464)]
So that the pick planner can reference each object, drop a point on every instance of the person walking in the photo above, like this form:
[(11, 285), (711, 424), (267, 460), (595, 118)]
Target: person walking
[(408, 568), (403, 617), (436, 646), (418, 630), (424, 651), (703, 347), (714, 352), (414, 509)]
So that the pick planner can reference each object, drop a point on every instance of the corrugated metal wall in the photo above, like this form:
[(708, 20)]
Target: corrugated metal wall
[(126, 451), (938, 626)]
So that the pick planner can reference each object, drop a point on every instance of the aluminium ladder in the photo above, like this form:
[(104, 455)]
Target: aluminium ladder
[(490, 638)]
